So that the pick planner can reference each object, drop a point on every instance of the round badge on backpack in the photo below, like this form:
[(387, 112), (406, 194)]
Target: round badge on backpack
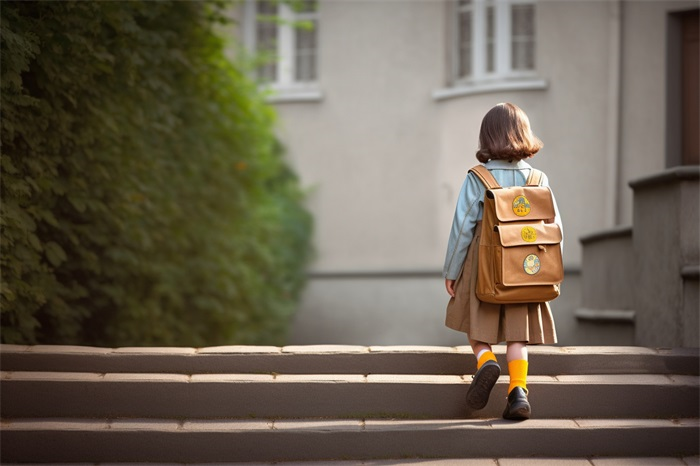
[(531, 264), (521, 206), (528, 234)]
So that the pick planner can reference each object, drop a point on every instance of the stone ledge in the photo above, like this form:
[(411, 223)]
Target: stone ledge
[(611, 233), (540, 461), (691, 272), (325, 350), (154, 350), (65, 349), (316, 424), (311, 379), (240, 349), (605, 315), (203, 441), (545, 360), (344, 396), (681, 173)]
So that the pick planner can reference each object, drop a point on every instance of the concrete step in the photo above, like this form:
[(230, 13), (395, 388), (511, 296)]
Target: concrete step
[(203, 441), (334, 359), (177, 396), (539, 461), (591, 461)]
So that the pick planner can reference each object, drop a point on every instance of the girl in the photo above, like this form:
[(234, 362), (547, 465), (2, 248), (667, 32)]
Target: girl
[(505, 141)]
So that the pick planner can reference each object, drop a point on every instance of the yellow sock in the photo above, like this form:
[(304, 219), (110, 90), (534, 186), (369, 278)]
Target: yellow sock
[(487, 356), (518, 374)]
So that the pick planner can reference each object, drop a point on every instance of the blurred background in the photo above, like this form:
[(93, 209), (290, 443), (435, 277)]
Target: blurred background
[(260, 172), (380, 105)]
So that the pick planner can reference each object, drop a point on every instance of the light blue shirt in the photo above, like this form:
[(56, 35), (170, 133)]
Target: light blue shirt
[(470, 209)]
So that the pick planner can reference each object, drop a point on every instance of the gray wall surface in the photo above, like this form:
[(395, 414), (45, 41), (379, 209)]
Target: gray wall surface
[(384, 159), (343, 310), (666, 218)]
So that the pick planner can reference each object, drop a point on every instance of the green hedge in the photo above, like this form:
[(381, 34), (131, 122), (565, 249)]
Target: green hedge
[(144, 197)]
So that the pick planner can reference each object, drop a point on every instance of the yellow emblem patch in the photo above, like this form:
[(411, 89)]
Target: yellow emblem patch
[(521, 206), (528, 234), (531, 264)]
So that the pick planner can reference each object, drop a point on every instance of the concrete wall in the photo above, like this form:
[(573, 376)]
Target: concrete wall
[(390, 159), (666, 217), (608, 290), (608, 262), (643, 95), (368, 150), (343, 310), (384, 160)]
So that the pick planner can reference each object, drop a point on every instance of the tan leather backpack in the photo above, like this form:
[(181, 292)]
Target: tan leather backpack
[(520, 257)]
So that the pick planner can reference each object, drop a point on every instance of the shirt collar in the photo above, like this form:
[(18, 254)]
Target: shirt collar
[(504, 164)]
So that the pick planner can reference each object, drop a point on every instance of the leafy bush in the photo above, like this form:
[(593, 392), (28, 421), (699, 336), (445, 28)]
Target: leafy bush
[(145, 199)]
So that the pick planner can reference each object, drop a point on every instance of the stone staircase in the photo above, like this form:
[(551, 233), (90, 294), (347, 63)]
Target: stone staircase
[(628, 295), (318, 403)]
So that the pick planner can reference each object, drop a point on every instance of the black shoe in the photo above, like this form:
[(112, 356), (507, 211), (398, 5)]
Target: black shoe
[(482, 383), (518, 408)]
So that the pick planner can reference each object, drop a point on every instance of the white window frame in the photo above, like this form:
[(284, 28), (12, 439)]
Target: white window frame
[(285, 88), (503, 77)]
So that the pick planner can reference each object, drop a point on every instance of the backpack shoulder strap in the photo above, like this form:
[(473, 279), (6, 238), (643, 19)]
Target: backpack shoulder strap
[(535, 178), (485, 176)]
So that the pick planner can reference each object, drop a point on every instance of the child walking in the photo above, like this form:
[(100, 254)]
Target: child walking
[(505, 142)]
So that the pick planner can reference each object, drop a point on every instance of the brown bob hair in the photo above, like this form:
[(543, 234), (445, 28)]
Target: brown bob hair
[(506, 135)]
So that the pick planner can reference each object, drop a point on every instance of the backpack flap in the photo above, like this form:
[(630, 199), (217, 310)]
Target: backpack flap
[(530, 254), (523, 203), (524, 234)]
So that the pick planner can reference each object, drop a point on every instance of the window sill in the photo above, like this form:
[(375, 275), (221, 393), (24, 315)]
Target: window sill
[(292, 95), (460, 90)]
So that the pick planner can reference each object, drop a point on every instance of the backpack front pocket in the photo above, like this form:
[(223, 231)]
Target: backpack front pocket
[(530, 254)]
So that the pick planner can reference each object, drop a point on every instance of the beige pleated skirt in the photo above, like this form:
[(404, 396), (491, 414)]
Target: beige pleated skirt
[(495, 323)]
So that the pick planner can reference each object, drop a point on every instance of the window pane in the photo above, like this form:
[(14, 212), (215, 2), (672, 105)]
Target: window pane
[(523, 37), (305, 53), (523, 20), (464, 44), (266, 7), (266, 39), (490, 40)]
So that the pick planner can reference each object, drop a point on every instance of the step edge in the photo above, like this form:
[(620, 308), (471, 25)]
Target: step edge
[(354, 424), (324, 350), (424, 379)]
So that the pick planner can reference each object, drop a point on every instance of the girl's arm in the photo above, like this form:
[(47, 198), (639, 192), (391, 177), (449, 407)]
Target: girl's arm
[(450, 287), (463, 223)]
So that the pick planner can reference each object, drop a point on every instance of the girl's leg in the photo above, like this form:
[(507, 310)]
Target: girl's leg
[(486, 375), (482, 351), (516, 355), (517, 407), (516, 350)]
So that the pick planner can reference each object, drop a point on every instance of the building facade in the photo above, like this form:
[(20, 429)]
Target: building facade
[(380, 103)]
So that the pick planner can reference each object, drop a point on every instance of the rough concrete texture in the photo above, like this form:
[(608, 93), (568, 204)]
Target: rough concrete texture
[(337, 439), (544, 462), (418, 396), (670, 461), (639, 462), (595, 404), (607, 265), (665, 241), (544, 360), (691, 315)]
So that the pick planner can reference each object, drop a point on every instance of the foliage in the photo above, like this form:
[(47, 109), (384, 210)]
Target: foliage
[(144, 197)]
